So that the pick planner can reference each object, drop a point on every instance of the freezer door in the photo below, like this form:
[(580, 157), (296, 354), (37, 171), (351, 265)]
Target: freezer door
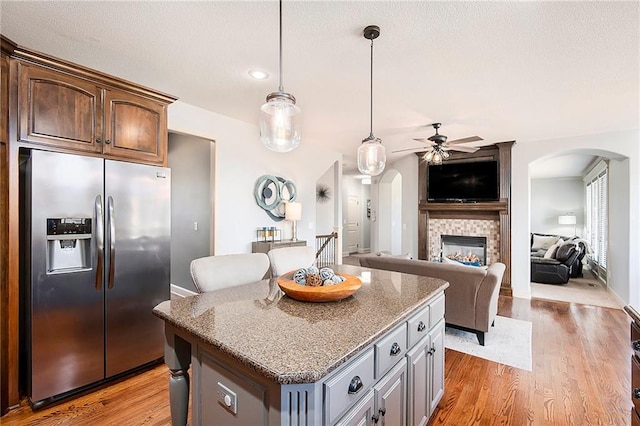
[(138, 228), (65, 327)]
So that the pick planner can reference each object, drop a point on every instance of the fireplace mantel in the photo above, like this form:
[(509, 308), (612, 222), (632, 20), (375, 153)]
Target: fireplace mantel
[(494, 210)]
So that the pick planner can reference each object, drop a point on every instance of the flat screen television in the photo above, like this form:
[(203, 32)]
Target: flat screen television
[(463, 182)]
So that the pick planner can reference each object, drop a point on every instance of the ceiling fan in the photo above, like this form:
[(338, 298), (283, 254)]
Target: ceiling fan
[(439, 147)]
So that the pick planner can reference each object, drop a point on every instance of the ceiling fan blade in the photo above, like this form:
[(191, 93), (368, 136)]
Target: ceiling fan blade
[(411, 149), (468, 149), (424, 140), (465, 140)]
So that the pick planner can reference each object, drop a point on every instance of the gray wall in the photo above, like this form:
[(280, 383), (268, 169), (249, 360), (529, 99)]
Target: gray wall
[(554, 197), (190, 163)]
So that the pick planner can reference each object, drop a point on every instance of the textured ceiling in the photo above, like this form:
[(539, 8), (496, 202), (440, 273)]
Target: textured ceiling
[(521, 71)]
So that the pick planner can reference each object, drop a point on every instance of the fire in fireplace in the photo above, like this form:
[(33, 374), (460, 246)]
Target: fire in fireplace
[(468, 250)]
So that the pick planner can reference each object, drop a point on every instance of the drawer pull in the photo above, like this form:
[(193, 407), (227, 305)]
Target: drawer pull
[(108, 141), (355, 385), (98, 140), (636, 393), (636, 345), (395, 349), (421, 326)]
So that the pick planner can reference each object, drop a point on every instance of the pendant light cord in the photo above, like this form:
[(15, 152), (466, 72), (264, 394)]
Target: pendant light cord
[(371, 116), (281, 87)]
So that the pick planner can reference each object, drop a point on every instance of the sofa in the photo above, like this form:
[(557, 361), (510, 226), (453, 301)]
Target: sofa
[(471, 300), (555, 259)]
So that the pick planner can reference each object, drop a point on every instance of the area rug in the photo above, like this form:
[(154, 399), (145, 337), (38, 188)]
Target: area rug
[(508, 342)]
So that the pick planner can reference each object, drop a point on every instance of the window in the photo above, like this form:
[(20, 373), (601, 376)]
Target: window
[(596, 223)]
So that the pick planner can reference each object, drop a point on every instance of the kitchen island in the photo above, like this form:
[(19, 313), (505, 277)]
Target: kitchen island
[(259, 357)]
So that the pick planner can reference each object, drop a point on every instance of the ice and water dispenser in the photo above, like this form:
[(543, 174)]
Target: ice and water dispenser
[(68, 245)]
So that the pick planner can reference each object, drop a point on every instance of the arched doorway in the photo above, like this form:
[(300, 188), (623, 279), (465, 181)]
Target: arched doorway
[(623, 150), (390, 212)]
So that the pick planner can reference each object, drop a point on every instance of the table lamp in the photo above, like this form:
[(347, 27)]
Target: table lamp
[(293, 212)]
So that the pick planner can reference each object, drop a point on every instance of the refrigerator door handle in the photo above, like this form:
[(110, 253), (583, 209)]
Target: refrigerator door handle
[(112, 241), (99, 241)]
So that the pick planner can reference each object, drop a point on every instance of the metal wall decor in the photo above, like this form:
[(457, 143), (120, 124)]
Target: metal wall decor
[(272, 192), (323, 193)]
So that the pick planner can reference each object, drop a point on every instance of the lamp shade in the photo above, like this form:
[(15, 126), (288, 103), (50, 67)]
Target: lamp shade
[(293, 211), (567, 219), (279, 123), (371, 157)]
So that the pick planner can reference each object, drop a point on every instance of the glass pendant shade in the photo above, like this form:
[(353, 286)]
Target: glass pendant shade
[(280, 123), (371, 157)]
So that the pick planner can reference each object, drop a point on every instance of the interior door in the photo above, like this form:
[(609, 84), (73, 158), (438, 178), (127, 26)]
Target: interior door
[(353, 224), (138, 229)]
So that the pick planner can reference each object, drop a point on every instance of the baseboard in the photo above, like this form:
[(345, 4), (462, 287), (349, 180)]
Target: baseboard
[(616, 297), (177, 291)]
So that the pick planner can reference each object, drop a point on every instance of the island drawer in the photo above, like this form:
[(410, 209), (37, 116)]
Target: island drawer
[(345, 389), (390, 349), (436, 310), (418, 326)]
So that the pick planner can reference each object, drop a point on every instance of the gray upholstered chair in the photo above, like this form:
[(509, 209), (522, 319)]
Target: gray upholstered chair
[(217, 272), (287, 259)]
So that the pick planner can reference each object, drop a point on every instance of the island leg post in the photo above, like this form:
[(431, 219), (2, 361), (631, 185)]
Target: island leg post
[(177, 356)]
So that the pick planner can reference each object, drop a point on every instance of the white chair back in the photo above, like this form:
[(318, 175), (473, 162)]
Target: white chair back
[(218, 272), (287, 259)]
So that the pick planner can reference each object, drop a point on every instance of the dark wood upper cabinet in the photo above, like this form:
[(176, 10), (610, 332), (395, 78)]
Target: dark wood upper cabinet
[(58, 109), (135, 127), (69, 112)]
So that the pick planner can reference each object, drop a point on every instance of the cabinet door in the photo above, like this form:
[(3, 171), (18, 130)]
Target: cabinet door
[(135, 127), (58, 109), (436, 366), (418, 398), (391, 399), (361, 414)]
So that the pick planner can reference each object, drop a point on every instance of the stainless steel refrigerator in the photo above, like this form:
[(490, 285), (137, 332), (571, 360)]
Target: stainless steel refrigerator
[(98, 262)]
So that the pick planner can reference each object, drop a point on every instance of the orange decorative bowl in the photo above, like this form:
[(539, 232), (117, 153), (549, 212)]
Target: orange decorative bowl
[(324, 293)]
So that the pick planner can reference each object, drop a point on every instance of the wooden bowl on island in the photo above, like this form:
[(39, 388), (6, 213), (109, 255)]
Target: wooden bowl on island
[(323, 293)]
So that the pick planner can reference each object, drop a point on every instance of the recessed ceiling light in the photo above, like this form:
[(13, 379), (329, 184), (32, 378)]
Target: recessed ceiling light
[(259, 75)]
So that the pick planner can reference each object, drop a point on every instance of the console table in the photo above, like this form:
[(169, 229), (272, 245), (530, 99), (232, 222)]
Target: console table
[(259, 357)]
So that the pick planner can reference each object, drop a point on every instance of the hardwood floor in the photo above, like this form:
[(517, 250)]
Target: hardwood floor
[(581, 376)]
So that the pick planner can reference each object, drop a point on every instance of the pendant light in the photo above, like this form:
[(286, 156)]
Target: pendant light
[(371, 154), (279, 116)]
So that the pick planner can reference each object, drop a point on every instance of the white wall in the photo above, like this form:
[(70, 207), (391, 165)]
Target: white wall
[(619, 238), (325, 210), (239, 161), (551, 198), (620, 144)]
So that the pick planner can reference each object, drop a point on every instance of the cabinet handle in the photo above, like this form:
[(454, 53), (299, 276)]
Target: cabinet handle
[(395, 349), (98, 140), (108, 141), (375, 418), (636, 393), (421, 326), (355, 385), (382, 411), (432, 351), (636, 345)]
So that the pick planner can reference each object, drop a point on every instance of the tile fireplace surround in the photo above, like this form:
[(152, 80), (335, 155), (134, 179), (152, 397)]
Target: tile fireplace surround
[(490, 229)]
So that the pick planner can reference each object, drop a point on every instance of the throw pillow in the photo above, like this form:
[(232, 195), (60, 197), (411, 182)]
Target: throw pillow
[(565, 251), (551, 252), (398, 256), (543, 242)]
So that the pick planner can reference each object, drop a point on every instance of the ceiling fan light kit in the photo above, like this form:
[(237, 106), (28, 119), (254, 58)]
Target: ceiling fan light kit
[(371, 153), (439, 148), (279, 116)]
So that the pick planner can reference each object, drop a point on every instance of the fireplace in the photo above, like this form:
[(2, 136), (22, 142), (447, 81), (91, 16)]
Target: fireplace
[(468, 250)]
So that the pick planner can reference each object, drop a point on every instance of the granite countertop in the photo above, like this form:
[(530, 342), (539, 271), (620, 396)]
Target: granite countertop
[(297, 342)]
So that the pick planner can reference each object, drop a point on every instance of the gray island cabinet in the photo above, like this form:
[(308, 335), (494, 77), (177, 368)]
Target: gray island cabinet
[(258, 357)]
